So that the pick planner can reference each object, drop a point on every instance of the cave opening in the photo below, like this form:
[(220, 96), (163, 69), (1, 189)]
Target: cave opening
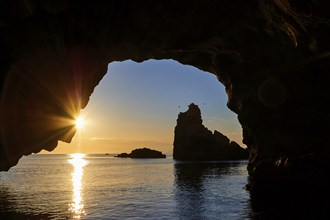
[(280, 96), (137, 104)]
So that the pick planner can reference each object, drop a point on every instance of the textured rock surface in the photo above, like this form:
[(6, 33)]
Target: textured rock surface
[(272, 56), (143, 153), (193, 141)]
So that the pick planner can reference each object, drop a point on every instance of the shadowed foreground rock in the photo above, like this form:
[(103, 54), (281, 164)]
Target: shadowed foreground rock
[(271, 55), (143, 153), (193, 141)]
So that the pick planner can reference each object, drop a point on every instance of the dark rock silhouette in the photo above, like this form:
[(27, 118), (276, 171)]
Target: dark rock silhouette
[(193, 141), (142, 153), (271, 55)]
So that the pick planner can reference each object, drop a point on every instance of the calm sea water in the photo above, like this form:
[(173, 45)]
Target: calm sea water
[(105, 187)]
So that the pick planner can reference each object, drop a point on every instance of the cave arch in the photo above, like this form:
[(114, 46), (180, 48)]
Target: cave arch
[(272, 56)]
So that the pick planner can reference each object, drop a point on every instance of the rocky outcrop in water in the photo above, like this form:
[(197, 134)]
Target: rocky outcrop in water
[(271, 55), (193, 141), (142, 153)]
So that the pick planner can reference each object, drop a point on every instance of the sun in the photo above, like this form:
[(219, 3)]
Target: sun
[(79, 122)]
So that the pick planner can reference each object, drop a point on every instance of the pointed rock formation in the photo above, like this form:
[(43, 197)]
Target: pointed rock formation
[(193, 141)]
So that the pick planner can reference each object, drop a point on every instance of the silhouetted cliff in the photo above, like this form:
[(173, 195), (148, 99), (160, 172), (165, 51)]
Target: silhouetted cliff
[(193, 141)]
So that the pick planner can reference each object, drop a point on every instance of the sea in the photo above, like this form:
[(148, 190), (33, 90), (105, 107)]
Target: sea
[(82, 186)]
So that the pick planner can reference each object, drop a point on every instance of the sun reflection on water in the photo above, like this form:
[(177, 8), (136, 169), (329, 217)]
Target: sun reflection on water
[(77, 205)]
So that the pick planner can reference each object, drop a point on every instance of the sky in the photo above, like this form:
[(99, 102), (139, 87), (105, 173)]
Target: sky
[(137, 104)]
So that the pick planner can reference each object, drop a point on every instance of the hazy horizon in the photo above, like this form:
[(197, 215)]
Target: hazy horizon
[(136, 105)]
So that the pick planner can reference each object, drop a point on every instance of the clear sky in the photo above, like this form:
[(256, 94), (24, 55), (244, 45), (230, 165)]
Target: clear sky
[(137, 104)]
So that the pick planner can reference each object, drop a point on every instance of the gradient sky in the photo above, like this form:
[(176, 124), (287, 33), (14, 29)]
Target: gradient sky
[(137, 104)]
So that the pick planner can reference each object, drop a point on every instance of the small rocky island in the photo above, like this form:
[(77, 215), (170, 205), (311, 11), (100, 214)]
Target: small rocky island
[(142, 153), (193, 141)]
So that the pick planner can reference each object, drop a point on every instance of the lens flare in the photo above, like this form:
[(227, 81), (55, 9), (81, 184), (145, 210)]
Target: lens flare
[(80, 121)]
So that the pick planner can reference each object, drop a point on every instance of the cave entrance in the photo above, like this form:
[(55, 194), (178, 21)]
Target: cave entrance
[(137, 104)]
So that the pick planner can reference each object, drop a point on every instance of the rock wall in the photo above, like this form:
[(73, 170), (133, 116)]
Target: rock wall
[(272, 57), (193, 141)]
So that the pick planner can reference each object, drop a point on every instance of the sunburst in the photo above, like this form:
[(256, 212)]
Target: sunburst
[(79, 122)]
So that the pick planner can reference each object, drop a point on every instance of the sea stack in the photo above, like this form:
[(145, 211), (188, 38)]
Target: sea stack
[(193, 141)]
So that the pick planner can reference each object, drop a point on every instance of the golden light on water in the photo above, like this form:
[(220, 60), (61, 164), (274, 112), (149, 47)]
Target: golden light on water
[(77, 205)]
